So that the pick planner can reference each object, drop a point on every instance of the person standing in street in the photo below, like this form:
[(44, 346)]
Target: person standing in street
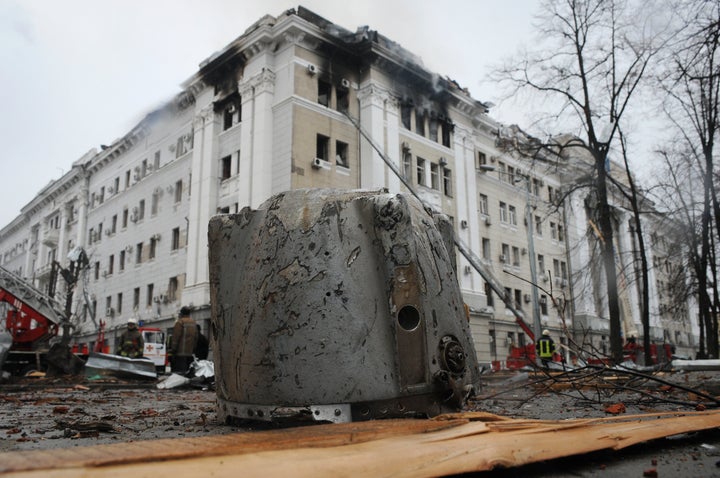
[(545, 348), (131, 343), (183, 342)]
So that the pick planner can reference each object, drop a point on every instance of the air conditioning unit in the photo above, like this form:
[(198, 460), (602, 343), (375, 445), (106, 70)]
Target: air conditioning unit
[(564, 283), (405, 146), (526, 298), (110, 189), (108, 232), (110, 312), (311, 69), (523, 251), (443, 162), (345, 83), (468, 270), (488, 221), (231, 109), (493, 159), (464, 224), (134, 214), (170, 189), (558, 281), (503, 258), (317, 163), (545, 277), (128, 249), (543, 300)]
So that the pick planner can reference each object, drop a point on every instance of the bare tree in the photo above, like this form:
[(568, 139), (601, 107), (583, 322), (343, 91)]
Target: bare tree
[(591, 65), (691, 80)]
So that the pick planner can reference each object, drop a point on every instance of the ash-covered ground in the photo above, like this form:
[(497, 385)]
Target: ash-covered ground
[(54, 413)]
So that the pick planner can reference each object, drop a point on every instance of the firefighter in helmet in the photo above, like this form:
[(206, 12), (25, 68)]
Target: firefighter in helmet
[(545, 348), (131, 343)]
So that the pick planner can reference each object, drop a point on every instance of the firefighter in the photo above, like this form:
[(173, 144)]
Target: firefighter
[(131, 343), (545, 348), (183, 342)]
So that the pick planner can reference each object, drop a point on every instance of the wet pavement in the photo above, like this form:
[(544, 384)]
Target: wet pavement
[(46, 414)]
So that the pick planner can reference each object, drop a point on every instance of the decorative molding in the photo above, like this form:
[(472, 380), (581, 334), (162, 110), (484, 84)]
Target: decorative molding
[(375, 94), (204, 117), (264, 82)]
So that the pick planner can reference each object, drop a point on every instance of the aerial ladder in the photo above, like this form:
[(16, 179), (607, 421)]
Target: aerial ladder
[(33, 317)]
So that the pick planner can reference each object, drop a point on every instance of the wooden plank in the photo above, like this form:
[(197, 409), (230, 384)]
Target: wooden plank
[(462, 443)]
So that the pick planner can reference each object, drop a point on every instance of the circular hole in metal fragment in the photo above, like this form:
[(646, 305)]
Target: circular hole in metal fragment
[(408, 318)]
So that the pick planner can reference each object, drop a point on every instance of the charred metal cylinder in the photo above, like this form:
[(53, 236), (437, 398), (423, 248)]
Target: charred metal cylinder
[(334, 305)]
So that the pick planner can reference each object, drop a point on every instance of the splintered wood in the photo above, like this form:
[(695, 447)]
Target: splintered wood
[(447, 445)]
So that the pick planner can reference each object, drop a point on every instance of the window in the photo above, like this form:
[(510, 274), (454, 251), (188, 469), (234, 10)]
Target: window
[(512, 215), (149, 298), (119, 303), (113, 224), (518, 299), (175, 239), (139, 253), (154, 204), (407, 165), (553, 230), (183, 145), (228, 115), (178, 190), (153, 248), (556, 268), (502, 171), (321, 147), (489, 295), (223, 210), (225, 167), (538, 225), (483, 204), (433, 130), (481, 159), (420, 170), (446, 130), (551, 194), (343, 98), (405, 115), (141, 210), (560, 233), (91, 235), (341, 154), (447, 182), (97, 270), (101, 196), (108, 303), (136, 298), (541, 263), (543, 304), (121, 260), (503, 212), (125, 218), (563, 270), (505, 258), (324, 90), (434, 176), (536, 186), (486, 250), (516, 256), (143, 168), (419, 123), (111, 264), (127, 179), (156, 160), (172, 289), (510, 176)]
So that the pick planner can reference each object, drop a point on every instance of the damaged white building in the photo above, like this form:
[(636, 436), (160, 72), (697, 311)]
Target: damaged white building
[(275, 110)]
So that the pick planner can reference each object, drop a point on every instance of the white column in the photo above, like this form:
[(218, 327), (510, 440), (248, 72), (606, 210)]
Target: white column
[(203, 204), (392, 130), (465, 191), (263, 87), (372, 167)]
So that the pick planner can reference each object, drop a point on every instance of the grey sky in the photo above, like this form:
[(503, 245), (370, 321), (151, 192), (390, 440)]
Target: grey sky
[(79, 73)]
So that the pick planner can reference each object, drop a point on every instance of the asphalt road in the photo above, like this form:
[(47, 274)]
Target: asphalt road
[(45, 414)]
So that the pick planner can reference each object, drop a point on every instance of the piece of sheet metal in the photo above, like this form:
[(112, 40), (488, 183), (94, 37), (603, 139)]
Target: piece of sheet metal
[(117, 366)]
